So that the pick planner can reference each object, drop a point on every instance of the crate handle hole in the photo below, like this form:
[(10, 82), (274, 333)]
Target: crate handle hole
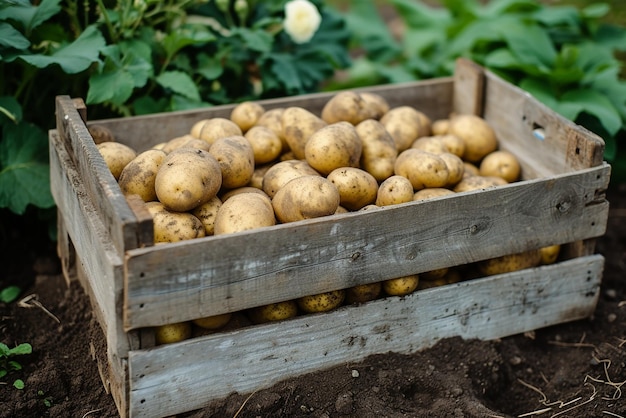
[(539, 132)]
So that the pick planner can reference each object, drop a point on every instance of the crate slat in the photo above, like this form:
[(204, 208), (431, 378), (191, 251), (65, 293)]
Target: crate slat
[(184, 375)]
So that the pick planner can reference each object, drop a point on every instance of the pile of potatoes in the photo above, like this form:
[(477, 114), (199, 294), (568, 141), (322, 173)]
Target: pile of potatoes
[(261, 167)]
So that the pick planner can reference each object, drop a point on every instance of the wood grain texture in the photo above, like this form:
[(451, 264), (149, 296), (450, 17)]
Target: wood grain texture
[(185, 376), (469, 88), (207, 276)]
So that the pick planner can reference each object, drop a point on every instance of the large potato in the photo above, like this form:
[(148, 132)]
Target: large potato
[(266, 145), (246, 114), (334, 146), (283, 172), (242, 212), (405, 124), (187, 178), (305, 198), (172, 226), (394, 190), (350, 106), (478, 136), (236, 160), (116, 156), (357, 188), (511, 262), (298, 125), (139, 175), (379, 150), (210, 130), (423, 169)]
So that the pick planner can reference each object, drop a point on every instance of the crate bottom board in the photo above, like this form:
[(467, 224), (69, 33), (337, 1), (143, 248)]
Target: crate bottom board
[(185, 376)]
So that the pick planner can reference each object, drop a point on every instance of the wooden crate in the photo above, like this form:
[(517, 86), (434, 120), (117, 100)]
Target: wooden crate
[(106, 241)]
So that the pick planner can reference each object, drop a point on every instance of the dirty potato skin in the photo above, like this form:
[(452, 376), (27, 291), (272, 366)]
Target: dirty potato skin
[(116, 156), (357, 188), (172, 333), (509, 263), (306, 197), (352, 107), (174, 226), (283, 172), (405, 124), (274, 312), (298, 124), (210, 130), (322, 302), (139, 175), (379, 151), (236, 160), (401, 286), (394, 190), (422, 168), (246, 114), (242, 212), (207, 212), (334, 146), (363, 293)]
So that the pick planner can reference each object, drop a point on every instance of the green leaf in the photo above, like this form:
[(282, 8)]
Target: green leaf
[(209, 67), (530, 44), (75, 57), (12, 38), (177, 40), (9, 294), (30, 16), (4, 350), (25, 174), (3, 373), (14, 365), (255, 40), (115, 87), (24, 348), (19, 384), (282, 67), (596, 10), (371, 32), (180, 83), (595, 103), (10, 110)]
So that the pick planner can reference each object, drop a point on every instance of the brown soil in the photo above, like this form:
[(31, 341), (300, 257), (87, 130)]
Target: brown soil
[(570, 370)]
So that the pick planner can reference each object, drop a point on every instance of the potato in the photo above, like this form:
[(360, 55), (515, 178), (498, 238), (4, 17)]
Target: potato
[(452, 276), (298, 124), (185, 141), (305, 198), (100, 134), (405, 124), (236, 160), (281, 173), (440, 126), (214, 321), (243, 212), (509, 263), (334, 146), (139, 175), (273, 119), (423, 169), (401, 286), (456, 168), (363, 293), (357, 188), (476, 183), (378, 149), (431, 193), (174, 226), (349, 106), (470, 169), (210, 130), (244, 189), (549, 254), (258, 174), (376, 104), (207, 212), (500, 164), (434, 274), (322, 302), (432, 144), (454, 144), (172, 333), (274, 312), (116, 156), (394, 190), (266, 145), (340, 210), (246, 114), (187, 178), (478, 136)]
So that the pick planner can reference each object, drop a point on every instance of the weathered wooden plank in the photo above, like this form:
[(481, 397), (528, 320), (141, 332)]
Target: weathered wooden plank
[(469, 88), (207, 276), (97, 180), (433, 97), (188, 375)]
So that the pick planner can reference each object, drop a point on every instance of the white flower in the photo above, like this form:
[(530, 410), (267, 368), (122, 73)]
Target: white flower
[(301, 20)]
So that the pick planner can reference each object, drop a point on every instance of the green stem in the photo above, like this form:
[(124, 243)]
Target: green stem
[(105, 15)]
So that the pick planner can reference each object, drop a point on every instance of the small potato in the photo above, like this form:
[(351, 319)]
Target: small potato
[(476, 183), (379, 149), (187, 178), (266, 145), (305, 198), (116, 156), (501, 164), (470, 170), (357, 188), (349, 106), (243, 212), (210, 130), (363, 293), (334, 146), (549, 254), (454, 144), (298, 125), (185, 141), (456, 168), (172, 333), (174, 226), (246, 114), (431, 192), (214, 321), (479, 137), (322, 302), (281, 173), (274, 312), (434, 274), (440, 126), (401, 286), (405, 124), (207, 212), (139, 175), (510, 263), (394, 190), (423, 169), (432, 144), (236, 160)]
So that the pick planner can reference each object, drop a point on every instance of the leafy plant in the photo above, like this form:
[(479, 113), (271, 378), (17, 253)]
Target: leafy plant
[(8, 365), (564, 56)]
